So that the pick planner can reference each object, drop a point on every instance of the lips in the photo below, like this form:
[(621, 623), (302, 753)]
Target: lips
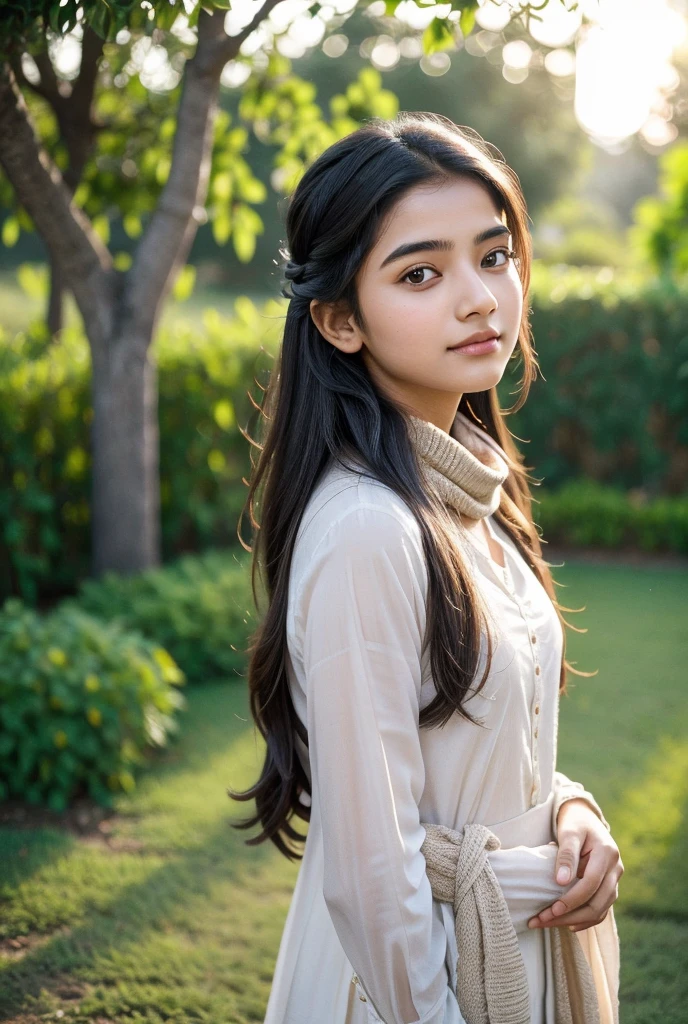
[(475, 338)]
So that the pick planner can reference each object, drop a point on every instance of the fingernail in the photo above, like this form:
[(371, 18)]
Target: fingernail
[(563, 875)]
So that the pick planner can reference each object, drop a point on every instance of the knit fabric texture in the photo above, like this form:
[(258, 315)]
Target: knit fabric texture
[(466, 467), (492, 985)]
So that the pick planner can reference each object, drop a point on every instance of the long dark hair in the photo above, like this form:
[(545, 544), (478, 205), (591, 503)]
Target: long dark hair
[(321, 403)]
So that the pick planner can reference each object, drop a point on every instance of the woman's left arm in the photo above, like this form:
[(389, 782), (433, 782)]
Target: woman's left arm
[(586, 850)]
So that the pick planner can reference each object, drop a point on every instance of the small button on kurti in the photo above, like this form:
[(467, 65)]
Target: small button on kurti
[(362, 904)]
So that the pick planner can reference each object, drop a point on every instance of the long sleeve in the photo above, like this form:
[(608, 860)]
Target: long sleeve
[(565, 789), (361, 613)]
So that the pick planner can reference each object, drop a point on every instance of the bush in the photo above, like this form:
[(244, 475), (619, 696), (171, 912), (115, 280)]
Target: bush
[(80, 701), (198, 608), (585, 514)]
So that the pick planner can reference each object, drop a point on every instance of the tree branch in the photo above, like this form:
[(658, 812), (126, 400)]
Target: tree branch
[(21, 78), (91, 52), (49, 80), (73, 112), (225, 47), (68, 234), (166, 242)]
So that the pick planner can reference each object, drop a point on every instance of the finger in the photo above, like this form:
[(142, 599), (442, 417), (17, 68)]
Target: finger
[(582, 864), (568, 856), (593, 912), (584, 889)]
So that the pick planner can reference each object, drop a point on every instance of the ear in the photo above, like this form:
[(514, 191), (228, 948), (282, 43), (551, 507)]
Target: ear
[(335, 322)]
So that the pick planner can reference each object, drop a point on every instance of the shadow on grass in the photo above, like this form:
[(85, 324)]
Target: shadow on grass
[(186, 878), (216, 716), (216, 729)]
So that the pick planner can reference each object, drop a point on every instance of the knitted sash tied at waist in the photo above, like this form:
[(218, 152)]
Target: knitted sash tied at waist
[(492, 984)]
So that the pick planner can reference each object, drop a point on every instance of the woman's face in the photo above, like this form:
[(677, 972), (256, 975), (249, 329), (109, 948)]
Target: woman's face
[(419, 304)]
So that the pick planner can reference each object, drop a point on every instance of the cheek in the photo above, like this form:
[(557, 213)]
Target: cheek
[(403, 320), (513, 297)]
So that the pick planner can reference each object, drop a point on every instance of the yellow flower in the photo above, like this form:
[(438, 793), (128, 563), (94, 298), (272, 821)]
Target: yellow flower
[(92, 682), (94, 716), (56, 656), (60, 739)]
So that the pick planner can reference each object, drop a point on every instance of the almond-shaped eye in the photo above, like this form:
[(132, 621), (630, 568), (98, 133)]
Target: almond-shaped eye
[(509, 254), (416, 270)]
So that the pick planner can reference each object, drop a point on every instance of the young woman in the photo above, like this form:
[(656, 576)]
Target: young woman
[(408, 667)]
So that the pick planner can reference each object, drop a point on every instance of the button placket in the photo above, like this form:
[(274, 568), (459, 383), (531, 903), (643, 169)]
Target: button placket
[(536, 716), (536, 706), (502, 574)]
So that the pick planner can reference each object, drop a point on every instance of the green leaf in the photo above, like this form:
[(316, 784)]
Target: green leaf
[(101, 226), (467, 20), (222, 186), (253, 190), (222, 227), (438, 36), (132, 225), (122, 261), (33, 280), (10, 232), (247, 224), (224, 414), (244, 243), (184, 285), (25, 221), (163, 169)]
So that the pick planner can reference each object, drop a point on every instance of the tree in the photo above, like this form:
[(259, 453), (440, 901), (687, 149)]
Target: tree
[(186, 156), (659, 222)]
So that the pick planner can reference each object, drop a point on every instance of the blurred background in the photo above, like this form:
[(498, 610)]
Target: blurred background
[(147, 151)]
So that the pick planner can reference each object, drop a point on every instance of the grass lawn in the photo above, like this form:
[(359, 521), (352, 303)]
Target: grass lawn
[(168, 916)]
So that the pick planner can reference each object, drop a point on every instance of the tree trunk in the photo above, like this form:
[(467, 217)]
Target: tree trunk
[(125, 498)]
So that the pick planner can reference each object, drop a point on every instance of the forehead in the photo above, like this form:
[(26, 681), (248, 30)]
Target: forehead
[(458, 208)]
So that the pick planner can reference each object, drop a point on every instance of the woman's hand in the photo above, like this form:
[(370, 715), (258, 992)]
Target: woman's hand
[(586, 848)]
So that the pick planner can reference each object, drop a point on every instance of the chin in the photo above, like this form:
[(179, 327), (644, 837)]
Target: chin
[(474, 383)]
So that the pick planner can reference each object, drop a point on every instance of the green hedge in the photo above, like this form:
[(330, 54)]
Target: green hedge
[(585, 514), (200, 609), (614, 403), (80, 702), (615, 408)]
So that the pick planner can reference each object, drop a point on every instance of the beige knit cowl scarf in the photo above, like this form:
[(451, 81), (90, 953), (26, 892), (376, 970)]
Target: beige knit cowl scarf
[(467, 469)]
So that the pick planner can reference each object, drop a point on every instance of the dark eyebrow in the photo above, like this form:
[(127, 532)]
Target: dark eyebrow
[(440, 244)]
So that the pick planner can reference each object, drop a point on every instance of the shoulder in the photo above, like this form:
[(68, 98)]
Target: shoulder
[(358, 551), (352, 511)]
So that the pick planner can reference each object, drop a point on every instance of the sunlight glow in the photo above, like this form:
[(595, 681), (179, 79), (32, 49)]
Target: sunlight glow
[(555, 25), (492, 16), (622, 64)]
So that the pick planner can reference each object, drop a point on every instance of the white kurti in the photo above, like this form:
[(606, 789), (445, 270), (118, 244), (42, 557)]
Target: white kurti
[(362, 901)]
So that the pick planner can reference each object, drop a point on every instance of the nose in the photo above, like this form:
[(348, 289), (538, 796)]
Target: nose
[(474, 297)]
